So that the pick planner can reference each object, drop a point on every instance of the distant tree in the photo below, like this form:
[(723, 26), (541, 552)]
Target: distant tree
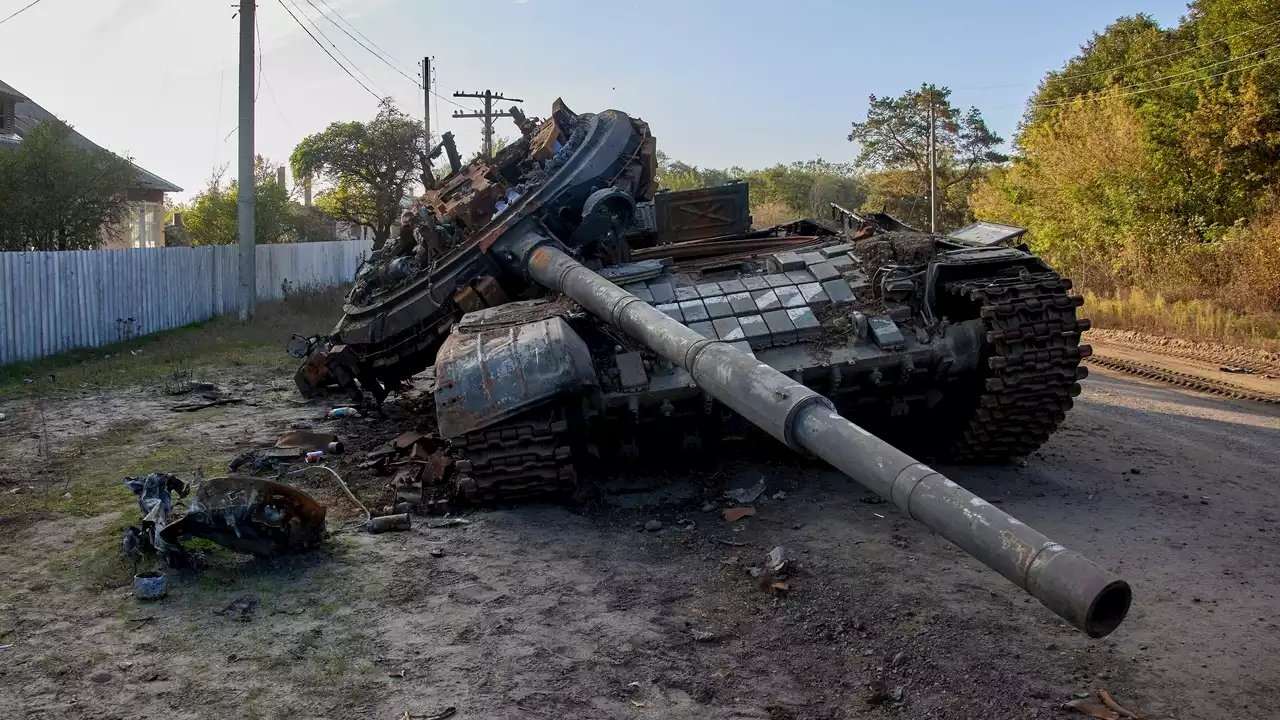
[(212, 217), (800, 189), (56, 195), (370, 168), (895, 137), (499, 142)]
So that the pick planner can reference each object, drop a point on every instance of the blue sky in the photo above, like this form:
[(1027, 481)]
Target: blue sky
[(721, 83)]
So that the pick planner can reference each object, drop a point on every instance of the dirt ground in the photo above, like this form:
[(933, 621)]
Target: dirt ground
[(556, 611)]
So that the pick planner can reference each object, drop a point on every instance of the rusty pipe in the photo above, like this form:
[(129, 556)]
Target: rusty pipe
[(1090, 598)]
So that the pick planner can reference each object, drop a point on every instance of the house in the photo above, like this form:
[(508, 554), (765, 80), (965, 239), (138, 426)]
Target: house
[(144, 226)]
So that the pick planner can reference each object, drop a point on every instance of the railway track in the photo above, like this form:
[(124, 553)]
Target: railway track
[(1187, 380)]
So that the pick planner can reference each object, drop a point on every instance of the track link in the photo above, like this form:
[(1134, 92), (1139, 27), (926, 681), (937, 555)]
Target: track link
[(1194, 382), (523, 458), (1034, 363)]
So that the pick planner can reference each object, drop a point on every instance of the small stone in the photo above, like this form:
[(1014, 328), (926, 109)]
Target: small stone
[(797, 526), (898, 660), (1195, 599), (653, 526), (124, 664), (1135, 471), (1051, 647), (1204, 499), (101, 676), (703, 635), (437, 552), (708, 507)]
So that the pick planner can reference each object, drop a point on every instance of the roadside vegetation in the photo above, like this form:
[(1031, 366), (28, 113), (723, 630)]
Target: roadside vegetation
[(1147, 169)]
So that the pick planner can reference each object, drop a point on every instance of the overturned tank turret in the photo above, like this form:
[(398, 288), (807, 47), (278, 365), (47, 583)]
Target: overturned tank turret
[(571, 328)]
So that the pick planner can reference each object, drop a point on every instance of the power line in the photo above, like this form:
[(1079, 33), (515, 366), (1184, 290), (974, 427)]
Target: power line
[(258, 34), (25, 8), (336, 49), (441, 97), (1172, 54), (385, 56), (1072, 76), (1202, 67), (326, 51), (276, 102), (1112, 96)]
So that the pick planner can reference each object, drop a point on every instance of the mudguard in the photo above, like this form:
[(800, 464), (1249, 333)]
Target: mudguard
[(492, 373)]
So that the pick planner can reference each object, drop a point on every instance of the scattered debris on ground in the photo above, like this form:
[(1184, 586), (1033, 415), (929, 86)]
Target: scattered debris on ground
[(246, 514), (748, 495)]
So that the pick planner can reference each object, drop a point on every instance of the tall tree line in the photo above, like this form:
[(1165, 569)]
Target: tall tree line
[(1152, 158)]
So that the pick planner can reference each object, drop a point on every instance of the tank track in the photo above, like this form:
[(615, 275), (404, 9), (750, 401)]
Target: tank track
[(1033, 361), (526, 457)]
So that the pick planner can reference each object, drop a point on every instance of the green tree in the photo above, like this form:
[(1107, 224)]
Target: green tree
[(895, 137), (1152, 158), (56, 195), (370, 168), (803, 188), (212, 217)]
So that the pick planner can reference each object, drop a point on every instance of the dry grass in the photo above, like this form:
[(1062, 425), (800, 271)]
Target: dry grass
[(1199, 320), (173, 356), (772, 213)]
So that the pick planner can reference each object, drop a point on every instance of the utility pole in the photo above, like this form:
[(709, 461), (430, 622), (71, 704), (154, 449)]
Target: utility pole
[(426, 98), (933, 166), (248, 283), (488, 116)]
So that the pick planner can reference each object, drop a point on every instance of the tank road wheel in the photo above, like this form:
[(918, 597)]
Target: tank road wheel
[(1030, 365)]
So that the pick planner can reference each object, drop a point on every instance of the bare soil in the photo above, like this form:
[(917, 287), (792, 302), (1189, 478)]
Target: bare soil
[(558, 611)]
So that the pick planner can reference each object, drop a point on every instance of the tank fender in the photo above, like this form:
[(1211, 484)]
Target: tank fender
[(492, 374)]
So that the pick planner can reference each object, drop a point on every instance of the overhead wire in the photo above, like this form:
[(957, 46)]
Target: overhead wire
[(1113, 96), (384, 60), (258, 35), (388, 55), (1183, 51), (326, 51), (335, 47), (276, 102), (1070, 75), (24, 8)]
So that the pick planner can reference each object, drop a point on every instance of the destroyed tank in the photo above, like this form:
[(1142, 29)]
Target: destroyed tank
[(565, 329), (963, 352)]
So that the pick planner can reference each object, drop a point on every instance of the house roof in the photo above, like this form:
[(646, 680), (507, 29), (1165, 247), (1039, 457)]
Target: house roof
[(7, 89), (28, 114)]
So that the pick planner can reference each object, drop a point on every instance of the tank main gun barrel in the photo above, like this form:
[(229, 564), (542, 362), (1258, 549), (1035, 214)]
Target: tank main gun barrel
[(1090, 598)]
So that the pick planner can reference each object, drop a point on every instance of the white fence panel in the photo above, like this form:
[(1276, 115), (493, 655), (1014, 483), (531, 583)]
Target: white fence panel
[(51, 302)]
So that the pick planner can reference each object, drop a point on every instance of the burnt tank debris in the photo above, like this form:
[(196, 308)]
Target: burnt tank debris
[(246, 514), (575, 318)]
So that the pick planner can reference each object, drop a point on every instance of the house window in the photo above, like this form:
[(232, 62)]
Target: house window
[(7, 110), (144, 229)]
